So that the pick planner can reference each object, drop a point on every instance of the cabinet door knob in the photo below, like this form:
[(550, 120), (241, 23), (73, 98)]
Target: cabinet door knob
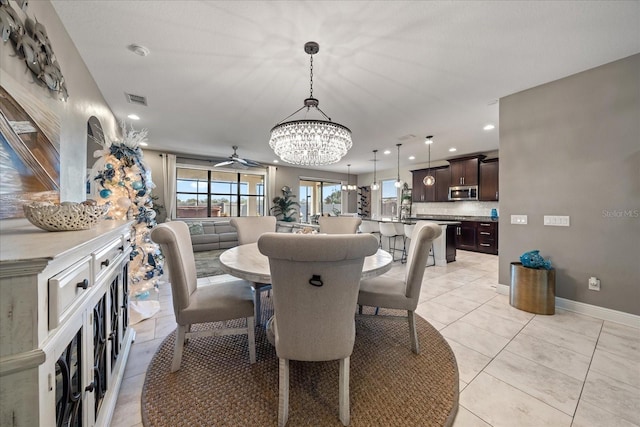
[(84, 284), (90, 387), (105, 263), (121, 248)]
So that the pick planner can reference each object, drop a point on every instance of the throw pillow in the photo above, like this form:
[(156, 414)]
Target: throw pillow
[(196, 228)]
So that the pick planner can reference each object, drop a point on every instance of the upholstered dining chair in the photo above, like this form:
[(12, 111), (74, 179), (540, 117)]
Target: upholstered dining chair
[(388, 292), (249, 229), (339, 224), (201, 304), (315, 281)]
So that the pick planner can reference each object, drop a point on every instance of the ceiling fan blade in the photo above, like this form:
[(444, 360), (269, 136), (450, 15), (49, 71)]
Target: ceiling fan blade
[(238, 159), (228, 162), (252, 163)]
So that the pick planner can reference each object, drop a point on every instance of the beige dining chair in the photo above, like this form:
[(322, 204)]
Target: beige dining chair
[(315, 281), (339, 224), (201, 304), (387, 291), (249, 229)]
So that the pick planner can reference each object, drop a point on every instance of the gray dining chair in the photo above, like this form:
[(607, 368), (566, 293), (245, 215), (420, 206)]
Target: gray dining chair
[(387, 291), (193, 303), (315, 280), (339, 224), (249, 229)]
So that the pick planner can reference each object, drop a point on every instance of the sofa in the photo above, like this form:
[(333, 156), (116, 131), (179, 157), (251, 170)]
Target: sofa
[(207, 235)]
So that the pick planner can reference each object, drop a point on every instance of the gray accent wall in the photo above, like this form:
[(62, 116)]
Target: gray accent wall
[(572, 147)]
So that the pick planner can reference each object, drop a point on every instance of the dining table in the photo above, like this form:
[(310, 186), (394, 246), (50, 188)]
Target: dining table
[(246, 262)]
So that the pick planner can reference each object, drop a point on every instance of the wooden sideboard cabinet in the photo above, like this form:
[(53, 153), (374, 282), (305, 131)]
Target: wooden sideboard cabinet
[(64, 323)]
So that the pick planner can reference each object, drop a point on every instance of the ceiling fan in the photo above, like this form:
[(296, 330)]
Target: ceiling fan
[(237, 162)]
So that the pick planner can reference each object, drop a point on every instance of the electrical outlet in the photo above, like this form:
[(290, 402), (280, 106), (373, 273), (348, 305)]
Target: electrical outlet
[(594, 284), (519, 219)]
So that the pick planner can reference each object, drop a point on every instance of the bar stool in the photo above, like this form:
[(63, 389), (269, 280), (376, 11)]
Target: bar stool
[(373, 228), (408, 229), (389, 230)]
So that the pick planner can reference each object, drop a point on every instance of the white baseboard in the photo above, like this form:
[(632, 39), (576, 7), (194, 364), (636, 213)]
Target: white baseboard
[(588, 310)]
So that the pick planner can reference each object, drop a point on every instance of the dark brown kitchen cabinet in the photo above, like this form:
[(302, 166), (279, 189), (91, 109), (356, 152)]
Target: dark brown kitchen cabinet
[(443, 178), (435, 193), (487, 237), (464, 171), (419, 190), (489, 188), (466, 234)]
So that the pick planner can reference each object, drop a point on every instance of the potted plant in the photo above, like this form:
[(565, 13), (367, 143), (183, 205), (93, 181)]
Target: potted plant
[(284, 207)]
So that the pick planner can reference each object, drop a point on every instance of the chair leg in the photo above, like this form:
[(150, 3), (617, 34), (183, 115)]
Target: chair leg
[(251, 336), (345, 415), (177, 349), (256, 303), (413, 333), (283, 398)]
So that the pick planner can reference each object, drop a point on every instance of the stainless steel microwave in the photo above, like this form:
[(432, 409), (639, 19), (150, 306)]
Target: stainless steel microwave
[(463, 192)]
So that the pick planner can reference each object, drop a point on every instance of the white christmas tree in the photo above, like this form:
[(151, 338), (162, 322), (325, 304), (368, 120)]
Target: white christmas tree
[(124, 180)]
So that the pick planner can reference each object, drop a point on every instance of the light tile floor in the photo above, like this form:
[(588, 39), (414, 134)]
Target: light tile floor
[(516, 368)]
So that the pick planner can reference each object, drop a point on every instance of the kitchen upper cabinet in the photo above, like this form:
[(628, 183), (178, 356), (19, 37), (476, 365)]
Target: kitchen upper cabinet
[(435, 193), (443, 178), (419, 190), (489, 189), (465, 170)]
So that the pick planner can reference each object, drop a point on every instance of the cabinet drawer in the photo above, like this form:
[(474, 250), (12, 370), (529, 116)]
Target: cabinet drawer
[(66, 290), (107, 257)]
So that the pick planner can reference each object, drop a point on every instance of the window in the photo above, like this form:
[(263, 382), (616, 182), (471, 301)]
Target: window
[(389, 198), (202, 193), (317, 198)]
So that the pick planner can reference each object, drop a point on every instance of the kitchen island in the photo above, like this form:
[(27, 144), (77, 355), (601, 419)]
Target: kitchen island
[(444, 247)]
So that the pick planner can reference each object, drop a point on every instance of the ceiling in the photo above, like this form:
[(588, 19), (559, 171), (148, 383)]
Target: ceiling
[(223, 73)]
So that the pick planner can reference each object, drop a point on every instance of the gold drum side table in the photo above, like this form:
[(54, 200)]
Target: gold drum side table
[(532, 289)]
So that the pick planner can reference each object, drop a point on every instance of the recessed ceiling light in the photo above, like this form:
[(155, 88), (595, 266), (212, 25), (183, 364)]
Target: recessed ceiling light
[(276, 161), (133, 117), (489, 127), (412, 157), (452, 149), (387, 152), (139, 49), (144, 144)]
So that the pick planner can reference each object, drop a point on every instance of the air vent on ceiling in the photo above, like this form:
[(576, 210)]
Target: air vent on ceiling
[(406, 137), (136, 99)]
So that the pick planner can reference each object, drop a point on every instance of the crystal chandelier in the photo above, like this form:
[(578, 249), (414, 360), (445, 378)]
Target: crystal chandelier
[(429, 180), (348, 186), (375, 186), (398, 183), (310, 142)]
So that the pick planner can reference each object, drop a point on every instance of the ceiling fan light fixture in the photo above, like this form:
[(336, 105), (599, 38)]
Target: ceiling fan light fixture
[(310, 142)]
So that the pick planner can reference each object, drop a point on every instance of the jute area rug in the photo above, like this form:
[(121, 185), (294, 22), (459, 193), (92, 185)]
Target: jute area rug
[(389, 385)]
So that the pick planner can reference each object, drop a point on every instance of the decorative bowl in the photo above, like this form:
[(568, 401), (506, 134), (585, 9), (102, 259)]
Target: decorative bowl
[(64, 217)]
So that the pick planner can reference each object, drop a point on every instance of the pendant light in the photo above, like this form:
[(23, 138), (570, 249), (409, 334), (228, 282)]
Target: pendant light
[(375, 186), (310, 142), (348, 186), (429, 180), (398, 183)]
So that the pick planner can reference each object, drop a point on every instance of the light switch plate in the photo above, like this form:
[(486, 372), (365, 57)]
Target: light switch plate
[(557, 221), (519, 219)]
